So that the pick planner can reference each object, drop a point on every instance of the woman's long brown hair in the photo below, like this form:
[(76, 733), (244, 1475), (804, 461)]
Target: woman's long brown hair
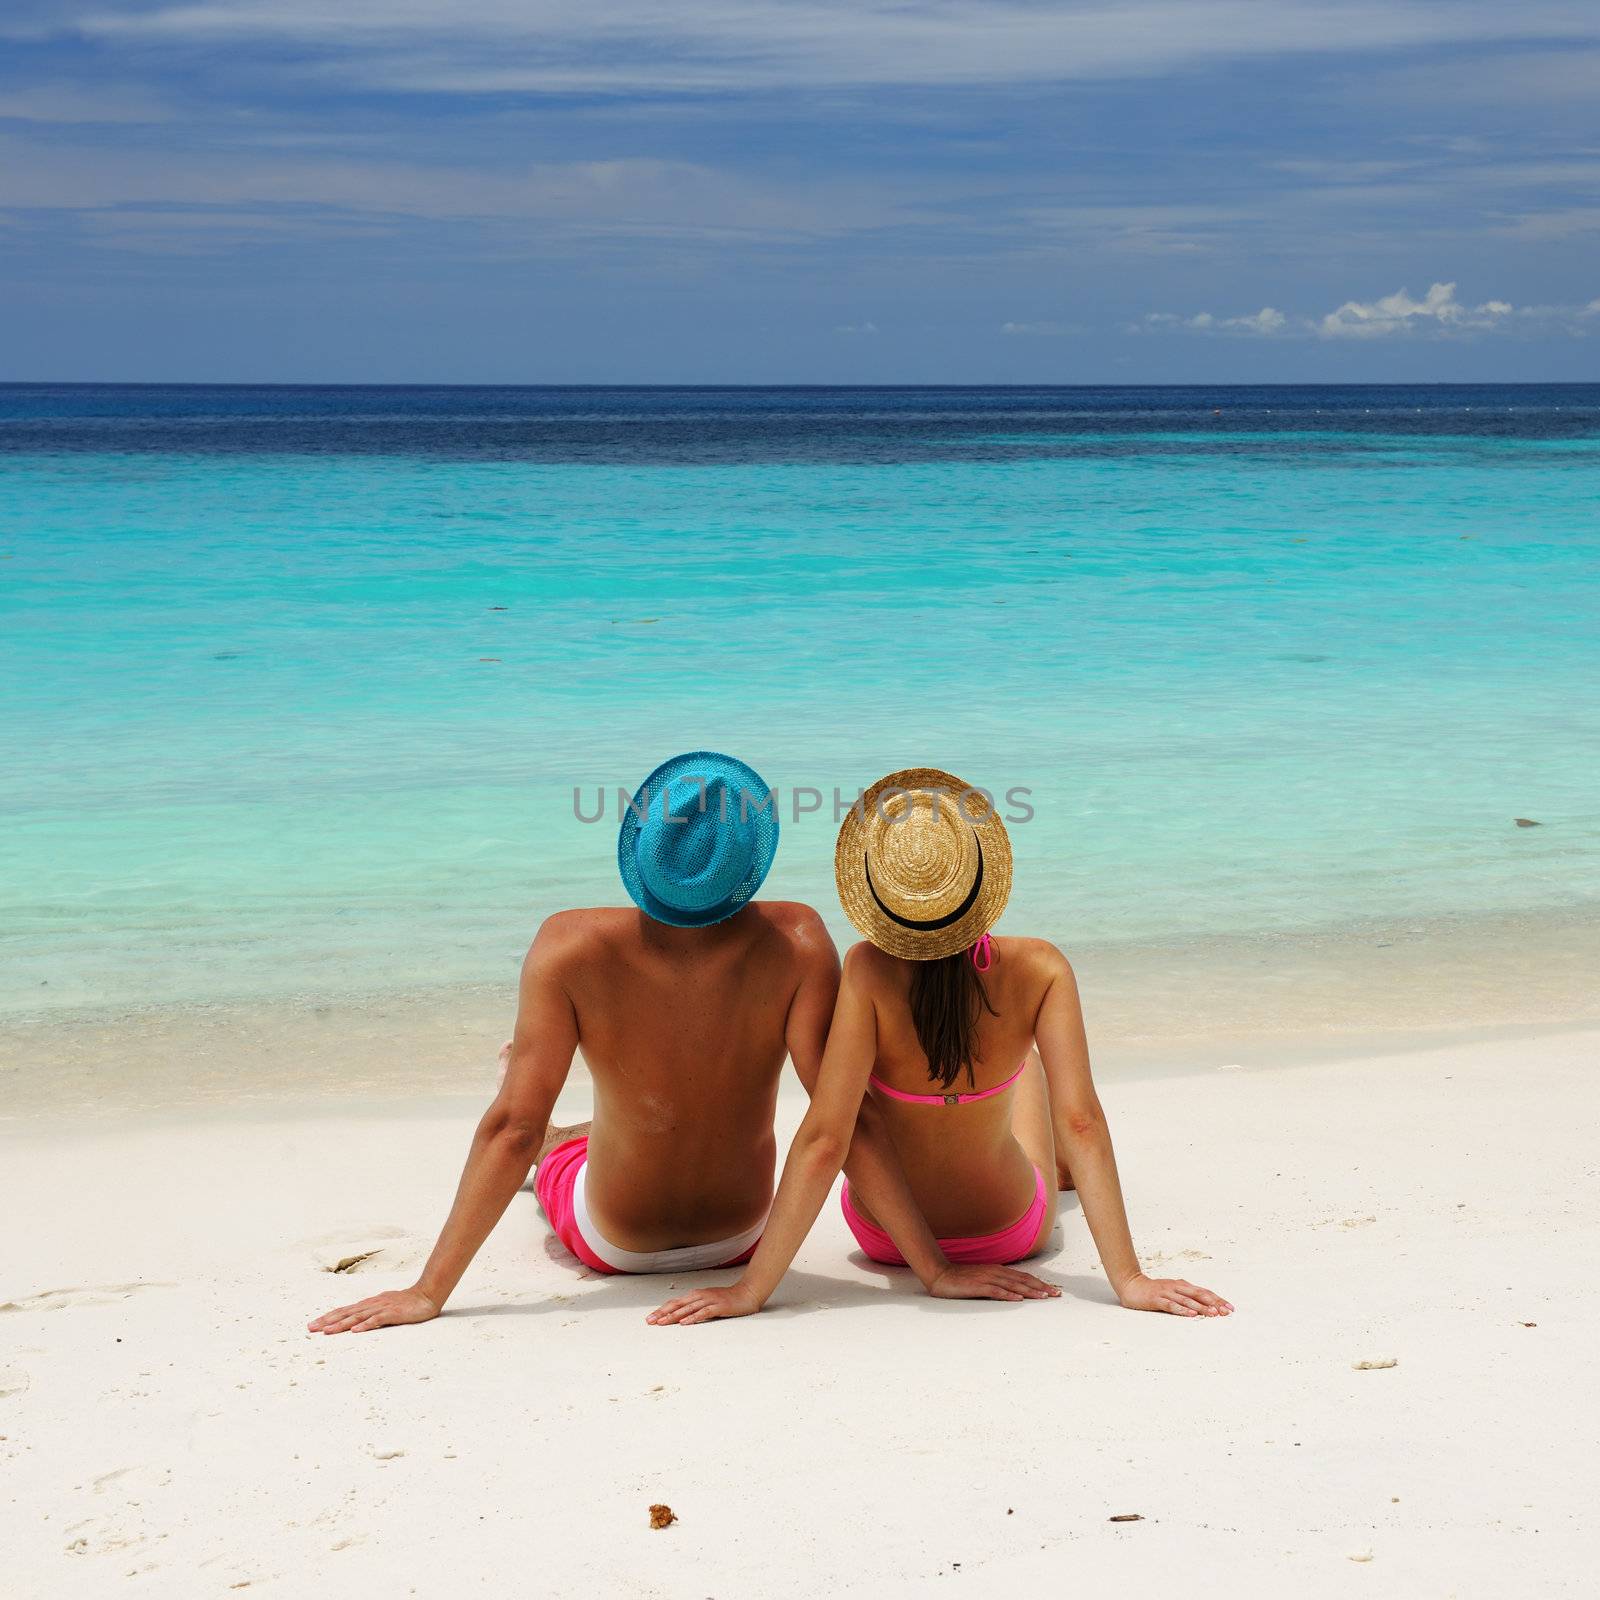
[(946, 998)]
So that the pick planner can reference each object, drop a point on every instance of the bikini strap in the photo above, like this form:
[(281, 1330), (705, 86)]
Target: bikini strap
[(946, 1099), (1000, 1088)]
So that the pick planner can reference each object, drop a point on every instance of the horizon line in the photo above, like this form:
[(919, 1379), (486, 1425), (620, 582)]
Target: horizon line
[(281, 383)]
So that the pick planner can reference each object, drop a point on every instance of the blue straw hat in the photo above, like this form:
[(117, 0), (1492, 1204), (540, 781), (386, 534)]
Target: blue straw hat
[(697, 840)]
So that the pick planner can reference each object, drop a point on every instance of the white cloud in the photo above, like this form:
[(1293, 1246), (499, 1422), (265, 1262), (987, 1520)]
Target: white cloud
[(66, 104), (1040, 330), (1142, 230), (617, 199), (1438, 313), (1438, 309), (646, 46), (1496, 79), (857, 328), (1266, 321), (1553, 226)]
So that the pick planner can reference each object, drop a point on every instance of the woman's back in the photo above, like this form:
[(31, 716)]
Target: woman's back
[(954, 1153)]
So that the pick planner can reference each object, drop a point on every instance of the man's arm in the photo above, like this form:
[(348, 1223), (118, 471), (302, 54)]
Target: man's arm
[(503, 1148), (1083, 1140)]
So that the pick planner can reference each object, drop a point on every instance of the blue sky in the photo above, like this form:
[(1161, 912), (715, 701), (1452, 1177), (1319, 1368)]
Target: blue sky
[(799, 190)]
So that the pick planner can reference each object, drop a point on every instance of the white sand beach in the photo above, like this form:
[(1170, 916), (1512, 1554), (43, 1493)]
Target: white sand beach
[(167, 1426)]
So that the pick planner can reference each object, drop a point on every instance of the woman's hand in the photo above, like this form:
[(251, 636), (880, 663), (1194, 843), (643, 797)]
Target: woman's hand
[(706, 1305), (1176, 1296), (389, 1310), (963, 1281)]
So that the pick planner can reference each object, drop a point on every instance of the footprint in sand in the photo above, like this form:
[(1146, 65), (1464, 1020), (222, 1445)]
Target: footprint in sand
[(103, 1541), (13, 1380), (1157, 1258), (103, 1294), (123, 1526)]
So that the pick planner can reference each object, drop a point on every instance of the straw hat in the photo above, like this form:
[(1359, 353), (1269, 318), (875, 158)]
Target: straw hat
[(923, 864), (697, 840)]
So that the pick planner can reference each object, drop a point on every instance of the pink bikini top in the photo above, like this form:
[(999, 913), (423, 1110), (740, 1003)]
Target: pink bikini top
[(947, 1099)]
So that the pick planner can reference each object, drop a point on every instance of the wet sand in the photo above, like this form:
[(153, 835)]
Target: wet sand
[(1267, 998)]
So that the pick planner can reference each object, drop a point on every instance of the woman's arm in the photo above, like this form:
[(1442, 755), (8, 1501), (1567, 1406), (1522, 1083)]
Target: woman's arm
[(1083, 1141), (814, 1161), (503, 1149)]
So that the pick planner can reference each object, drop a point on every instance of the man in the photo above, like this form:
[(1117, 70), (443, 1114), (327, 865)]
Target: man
[(684, 1006)]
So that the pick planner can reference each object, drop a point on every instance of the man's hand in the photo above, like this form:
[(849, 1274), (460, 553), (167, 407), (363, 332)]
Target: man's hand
[(706, 1305), (1176, 1296), (389, 1310), (964, 1281)]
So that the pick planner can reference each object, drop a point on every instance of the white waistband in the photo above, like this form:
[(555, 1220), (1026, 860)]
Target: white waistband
[(684, 1258)]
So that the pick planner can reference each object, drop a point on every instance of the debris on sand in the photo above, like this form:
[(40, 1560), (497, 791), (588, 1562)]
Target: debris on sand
[(662, 1516), (1376, 1366), (1126, 1516), (1361, 1555), (350, 1263), (1529, 1324)]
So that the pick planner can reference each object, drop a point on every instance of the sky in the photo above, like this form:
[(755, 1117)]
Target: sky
[(820, 191)]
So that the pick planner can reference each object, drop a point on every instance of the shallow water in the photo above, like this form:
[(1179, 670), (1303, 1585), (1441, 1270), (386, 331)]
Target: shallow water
[(1296, 665)]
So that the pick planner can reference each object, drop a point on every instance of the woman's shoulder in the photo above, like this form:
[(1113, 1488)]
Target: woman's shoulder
[(1038, 956), (865, 963), (868, 967)]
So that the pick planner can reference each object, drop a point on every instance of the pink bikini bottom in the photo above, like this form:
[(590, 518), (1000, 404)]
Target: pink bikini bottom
[(1009, 1244)]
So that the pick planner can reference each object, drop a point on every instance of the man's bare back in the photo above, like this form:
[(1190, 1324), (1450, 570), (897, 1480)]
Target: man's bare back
[(685, 1032)]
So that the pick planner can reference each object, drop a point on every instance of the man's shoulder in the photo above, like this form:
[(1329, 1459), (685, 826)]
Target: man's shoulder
[(580, 931), (800, 927), (793, 918)]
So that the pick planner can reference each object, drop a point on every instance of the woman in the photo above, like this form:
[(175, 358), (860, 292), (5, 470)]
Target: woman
[(969, 1049)]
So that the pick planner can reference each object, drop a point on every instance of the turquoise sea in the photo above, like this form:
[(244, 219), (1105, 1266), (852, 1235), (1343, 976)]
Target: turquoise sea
[(298, 683)]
